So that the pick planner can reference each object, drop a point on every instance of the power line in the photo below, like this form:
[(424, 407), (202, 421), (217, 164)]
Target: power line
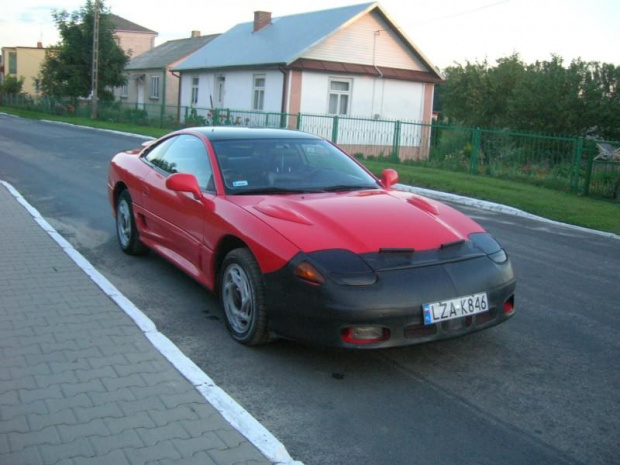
[(462, 13)]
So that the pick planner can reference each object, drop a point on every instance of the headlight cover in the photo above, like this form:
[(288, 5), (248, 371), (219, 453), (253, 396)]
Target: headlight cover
[(487, 244), (343, 267)]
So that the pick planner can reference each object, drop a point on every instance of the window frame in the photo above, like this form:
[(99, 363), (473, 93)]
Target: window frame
[(220, 89), (155, 91), (258, 92), (125, 91), (12, 62), (162, 149), (339, 94), (195, 90)]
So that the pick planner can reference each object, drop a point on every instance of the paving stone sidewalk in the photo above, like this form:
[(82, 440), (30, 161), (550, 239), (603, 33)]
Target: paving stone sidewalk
[(79, 381)]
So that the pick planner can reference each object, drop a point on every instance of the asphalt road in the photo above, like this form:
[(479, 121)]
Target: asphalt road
[(542, 388)]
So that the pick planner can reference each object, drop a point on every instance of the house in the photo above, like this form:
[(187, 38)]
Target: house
[(132, 38), (151, 84), (348, 61), (24, 62)]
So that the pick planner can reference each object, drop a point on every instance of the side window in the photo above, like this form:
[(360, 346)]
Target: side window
[(155, 153), (186, 154)]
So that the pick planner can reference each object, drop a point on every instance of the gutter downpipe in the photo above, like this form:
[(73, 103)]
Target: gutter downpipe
[(163, 98), (374, 54), (178, 76), (285, 89)]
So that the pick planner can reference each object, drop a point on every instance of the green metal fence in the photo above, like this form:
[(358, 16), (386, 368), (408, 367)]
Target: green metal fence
[(571, 164)]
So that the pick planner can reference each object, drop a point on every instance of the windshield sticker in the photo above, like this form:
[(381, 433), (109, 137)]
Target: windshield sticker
[(240, 183)]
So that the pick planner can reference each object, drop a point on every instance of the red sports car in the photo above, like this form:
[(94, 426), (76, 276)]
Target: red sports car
[(300, 241)]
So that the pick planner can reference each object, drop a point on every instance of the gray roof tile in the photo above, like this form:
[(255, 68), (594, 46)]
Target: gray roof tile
[(122, 24), (281, 42), (169, 52)]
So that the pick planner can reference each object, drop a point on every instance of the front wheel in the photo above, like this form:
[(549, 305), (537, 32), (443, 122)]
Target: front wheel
[(126, 231), (242, 293)]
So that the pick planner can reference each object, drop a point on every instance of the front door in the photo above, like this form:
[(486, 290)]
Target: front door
[(176, 220)]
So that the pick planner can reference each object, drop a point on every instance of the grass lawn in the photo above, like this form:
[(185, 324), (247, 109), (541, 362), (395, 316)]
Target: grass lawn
[(556, 205), (144, 130)]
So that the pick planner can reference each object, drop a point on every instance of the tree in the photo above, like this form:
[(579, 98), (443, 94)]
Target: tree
[(11, 85), (67, 68), (547, 96)]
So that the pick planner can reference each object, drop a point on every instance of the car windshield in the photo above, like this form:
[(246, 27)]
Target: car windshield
[(280, 166)]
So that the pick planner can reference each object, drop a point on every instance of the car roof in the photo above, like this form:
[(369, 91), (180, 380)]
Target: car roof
[(231, 133)]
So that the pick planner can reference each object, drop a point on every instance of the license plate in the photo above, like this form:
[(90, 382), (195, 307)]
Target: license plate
[(456, 308)]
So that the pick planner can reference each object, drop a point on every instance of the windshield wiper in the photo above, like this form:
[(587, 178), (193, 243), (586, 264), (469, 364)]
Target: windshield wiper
[(275, 190), (346, 187)]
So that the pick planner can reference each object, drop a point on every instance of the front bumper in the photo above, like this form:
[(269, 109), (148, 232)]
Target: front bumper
[(318, 314)]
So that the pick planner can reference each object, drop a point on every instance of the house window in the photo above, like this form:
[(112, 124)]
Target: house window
[(12, 63), (154, 87), (258, 100), (339, 96), (37, 85), (220, 80), (195, 82), (125, 91)]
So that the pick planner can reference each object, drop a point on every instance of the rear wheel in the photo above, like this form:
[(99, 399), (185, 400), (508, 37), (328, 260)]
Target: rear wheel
[(126, 231), (242, 293)]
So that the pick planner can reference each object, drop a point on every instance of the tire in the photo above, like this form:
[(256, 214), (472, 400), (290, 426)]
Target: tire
[(242, 294), (126, 231)]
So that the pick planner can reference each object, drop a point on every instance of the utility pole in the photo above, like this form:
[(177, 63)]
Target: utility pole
[(95, 73)]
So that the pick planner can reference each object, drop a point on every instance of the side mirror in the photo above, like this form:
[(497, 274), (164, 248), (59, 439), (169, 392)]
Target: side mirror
[(389, 177), (183, 182)]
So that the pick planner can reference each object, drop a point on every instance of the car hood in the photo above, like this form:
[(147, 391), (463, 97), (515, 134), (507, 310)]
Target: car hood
[(362, 221)]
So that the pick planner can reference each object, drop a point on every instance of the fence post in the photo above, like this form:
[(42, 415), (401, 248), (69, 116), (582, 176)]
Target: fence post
[(586, 184), (574, 185), (396, 141), (335, 130), (298, 121), (475, 149), (216, 117)]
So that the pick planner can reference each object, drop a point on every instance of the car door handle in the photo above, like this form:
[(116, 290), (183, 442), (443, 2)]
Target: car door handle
[(146, 191)]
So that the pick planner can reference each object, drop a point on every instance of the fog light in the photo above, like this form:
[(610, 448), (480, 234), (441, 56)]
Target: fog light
[(365, 334), (509, 306)]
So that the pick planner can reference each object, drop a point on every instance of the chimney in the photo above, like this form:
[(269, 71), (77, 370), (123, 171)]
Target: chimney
[(39, 44), (261, 19), (195, 34)]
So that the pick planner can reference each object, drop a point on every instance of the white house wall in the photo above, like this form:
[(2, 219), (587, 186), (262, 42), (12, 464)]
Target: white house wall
[(378, 98), (367, 41), (238, 89)]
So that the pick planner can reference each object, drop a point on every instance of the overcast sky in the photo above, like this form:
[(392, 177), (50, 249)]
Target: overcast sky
[(446, 31)]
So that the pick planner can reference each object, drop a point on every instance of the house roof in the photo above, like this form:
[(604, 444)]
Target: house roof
[(281, 42), (168, 53), (122, 24), (286, 39), (369, 70)]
